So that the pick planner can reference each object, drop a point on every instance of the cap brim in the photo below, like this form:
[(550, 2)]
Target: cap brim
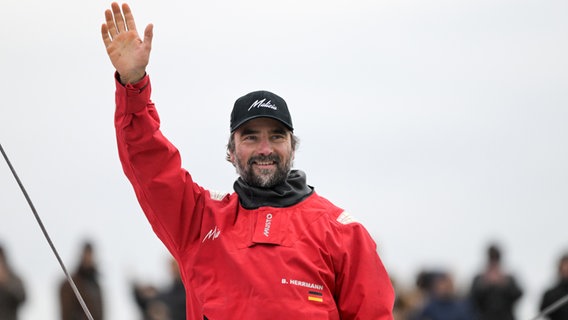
[(236, 126)]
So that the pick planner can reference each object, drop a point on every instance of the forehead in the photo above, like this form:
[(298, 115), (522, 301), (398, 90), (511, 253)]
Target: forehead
[(262, 124)]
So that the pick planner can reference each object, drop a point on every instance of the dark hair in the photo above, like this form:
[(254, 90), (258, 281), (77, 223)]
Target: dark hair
[(88, 246), (494, 254), (425, 279)]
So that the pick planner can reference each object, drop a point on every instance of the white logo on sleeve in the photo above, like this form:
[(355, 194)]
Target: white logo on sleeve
[(212, 234)]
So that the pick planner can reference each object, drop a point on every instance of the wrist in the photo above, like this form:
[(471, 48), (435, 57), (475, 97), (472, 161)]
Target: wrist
[(131, 78)]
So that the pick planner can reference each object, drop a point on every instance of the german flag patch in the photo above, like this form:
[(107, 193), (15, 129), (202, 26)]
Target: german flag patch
[(315, 296)]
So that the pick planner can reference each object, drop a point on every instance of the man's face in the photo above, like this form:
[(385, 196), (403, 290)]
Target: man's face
[(263, 152), (564, 269)]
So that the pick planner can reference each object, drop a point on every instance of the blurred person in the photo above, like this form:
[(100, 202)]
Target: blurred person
[(12, 292), (151, 308), (409, 303), (443, 302), (143, 295), (168, 303), (399, 308), (174, 295), (272, 249), (86, 280), (557, 292), (494, 292)]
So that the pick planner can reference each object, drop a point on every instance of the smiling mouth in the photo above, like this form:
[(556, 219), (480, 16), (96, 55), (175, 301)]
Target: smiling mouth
[(264, 163)]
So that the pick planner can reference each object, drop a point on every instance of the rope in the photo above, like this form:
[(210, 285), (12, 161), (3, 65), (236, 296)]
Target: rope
[(48, 238), (557, 304)]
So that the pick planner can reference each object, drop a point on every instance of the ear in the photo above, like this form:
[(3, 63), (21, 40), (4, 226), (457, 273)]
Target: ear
[(232, 158)]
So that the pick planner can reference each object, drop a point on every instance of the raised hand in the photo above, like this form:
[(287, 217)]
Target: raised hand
[(128, 53)]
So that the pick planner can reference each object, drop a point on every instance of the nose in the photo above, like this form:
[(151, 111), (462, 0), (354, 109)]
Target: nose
[(265, 147)]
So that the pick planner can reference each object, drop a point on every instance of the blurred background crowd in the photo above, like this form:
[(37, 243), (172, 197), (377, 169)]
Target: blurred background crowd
[(152, 301), (492, 294)]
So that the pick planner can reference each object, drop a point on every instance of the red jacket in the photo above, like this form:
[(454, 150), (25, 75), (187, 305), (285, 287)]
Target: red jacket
[(305, 261)]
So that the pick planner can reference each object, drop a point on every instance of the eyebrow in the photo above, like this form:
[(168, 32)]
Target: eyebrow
[(248, 131), (279, 130)]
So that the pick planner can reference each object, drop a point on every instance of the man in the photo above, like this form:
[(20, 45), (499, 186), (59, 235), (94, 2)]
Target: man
[(494, 293), (273, 249), (168, 303), (174, 295), (86, 279), (12, 291), (444, 303), (557, 293)]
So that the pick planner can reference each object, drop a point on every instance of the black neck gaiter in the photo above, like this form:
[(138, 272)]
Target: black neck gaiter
[(292, 191)]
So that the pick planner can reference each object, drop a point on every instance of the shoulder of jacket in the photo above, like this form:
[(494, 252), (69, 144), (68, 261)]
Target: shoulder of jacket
[(341, 216), (217, 195), (345, 218)]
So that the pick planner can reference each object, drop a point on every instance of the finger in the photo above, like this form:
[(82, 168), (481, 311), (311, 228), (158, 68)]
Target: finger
[(128, 16), (148, 35), (111, 27), (118, 19), (106, 36)]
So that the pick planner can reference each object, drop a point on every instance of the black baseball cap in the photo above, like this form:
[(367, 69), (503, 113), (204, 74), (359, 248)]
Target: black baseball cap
[(260, 104)]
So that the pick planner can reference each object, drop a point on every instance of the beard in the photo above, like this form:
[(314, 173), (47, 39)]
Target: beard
[(265, 178)]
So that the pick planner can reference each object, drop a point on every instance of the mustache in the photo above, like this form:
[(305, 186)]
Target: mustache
[(271, 157)]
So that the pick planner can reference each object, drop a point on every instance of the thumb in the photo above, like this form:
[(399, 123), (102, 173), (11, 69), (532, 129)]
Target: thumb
[(148, 35)]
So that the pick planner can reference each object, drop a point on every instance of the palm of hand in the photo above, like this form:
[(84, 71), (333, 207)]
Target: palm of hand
[(128, 53)]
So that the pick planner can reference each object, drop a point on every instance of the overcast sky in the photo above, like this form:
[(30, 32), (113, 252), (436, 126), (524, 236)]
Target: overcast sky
[(441, 125)]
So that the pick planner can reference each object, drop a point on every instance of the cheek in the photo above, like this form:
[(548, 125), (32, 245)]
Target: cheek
[(288, 153), (239, 155)]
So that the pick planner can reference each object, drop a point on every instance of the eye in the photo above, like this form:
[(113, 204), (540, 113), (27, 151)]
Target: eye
[(278, 137), (250, 138)]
